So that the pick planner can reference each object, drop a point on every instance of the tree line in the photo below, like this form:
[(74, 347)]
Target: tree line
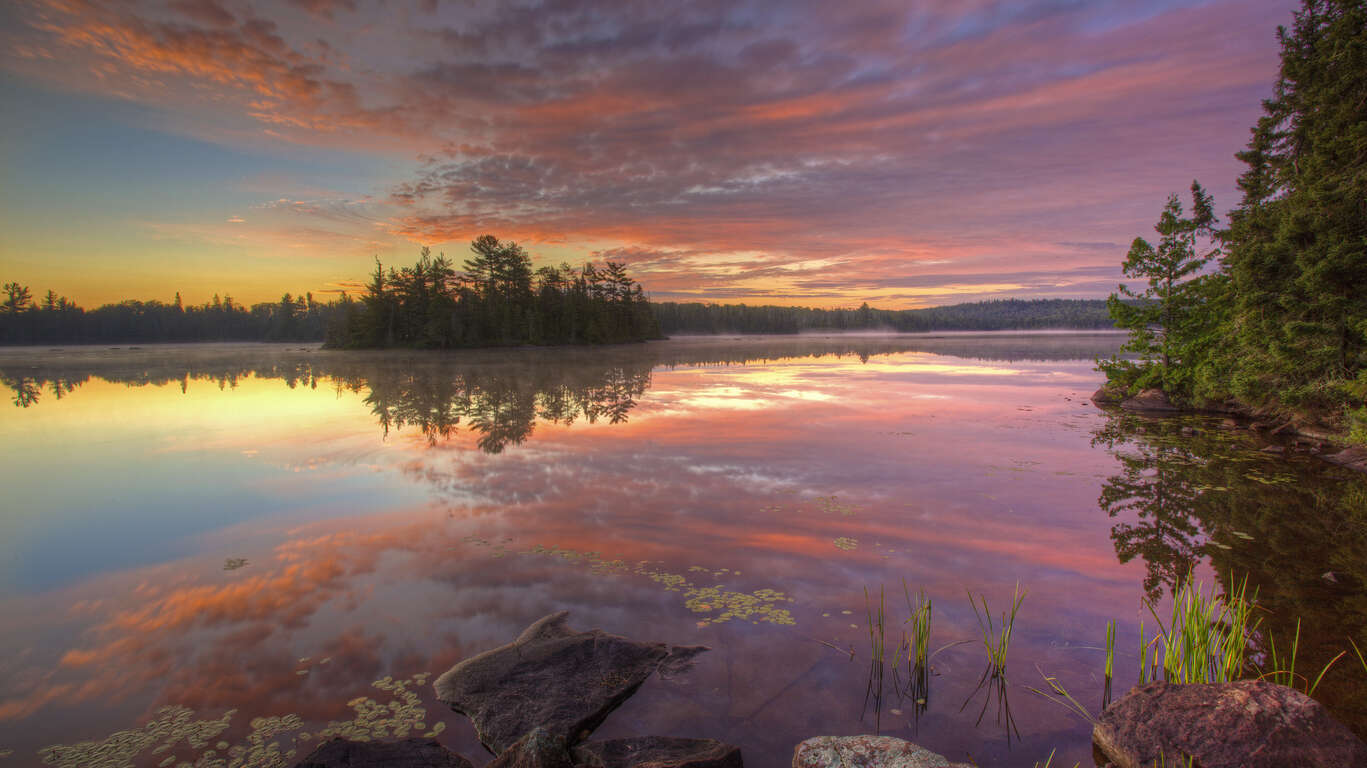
[(57, 320), (1269, 311), (993, 315)]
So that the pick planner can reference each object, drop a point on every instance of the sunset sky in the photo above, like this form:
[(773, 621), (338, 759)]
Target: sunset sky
[(900, 152)]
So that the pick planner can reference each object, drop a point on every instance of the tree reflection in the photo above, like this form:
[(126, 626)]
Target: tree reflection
[(1296, 526)]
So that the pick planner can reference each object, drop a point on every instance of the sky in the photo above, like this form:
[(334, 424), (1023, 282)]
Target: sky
[(901, 152)]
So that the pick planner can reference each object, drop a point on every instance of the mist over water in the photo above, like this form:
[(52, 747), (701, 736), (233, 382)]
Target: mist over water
[(272, 529)]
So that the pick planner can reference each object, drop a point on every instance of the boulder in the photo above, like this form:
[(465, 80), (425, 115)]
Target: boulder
[(555, 678), (538, 749), (1108, 395), (1149, 401), (657, 752), (409, 753), (1229, 423), (866, 752), (1248, 724)]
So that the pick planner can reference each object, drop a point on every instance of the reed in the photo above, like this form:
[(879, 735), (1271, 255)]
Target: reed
[(1207, 638), (918, 643), (1110, 648), (997, 636)]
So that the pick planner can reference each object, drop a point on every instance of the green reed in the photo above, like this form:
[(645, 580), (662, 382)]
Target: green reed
[(918, 643), (997, 637), (1207, 639), (1110, 648)]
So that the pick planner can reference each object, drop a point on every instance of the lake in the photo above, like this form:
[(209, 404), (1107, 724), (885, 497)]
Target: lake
[(279, 543)]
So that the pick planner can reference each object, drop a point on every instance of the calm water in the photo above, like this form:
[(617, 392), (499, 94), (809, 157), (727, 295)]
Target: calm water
[(255, 534)]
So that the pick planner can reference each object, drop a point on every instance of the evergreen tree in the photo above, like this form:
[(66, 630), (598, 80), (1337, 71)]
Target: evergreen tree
[(1297, 256), (1166, 319)]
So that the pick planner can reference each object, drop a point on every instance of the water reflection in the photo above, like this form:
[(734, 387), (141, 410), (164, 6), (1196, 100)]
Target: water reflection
[(403, 511), (1190, 490), (500, 395)]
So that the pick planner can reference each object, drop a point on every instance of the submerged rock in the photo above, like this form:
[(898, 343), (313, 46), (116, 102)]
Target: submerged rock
[(1247, 724), (1149, 401), (866, 752), (555, 678), (657, 752), (538, 749), (1352, 458), (409, 753)]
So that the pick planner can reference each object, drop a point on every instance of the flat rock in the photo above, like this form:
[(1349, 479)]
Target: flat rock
[(1247, 724), (555, 678), (1149, 401), (657, 752), (538, 749), (409, 753), (866, 752)]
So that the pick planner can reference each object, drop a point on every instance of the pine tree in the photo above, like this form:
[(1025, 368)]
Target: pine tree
[(1167, 319)]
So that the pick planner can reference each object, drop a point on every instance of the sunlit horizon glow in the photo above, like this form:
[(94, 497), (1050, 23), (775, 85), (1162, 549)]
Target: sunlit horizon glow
[(763, 152)]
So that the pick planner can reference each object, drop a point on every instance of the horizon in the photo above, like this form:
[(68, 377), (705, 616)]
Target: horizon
[(753, 153)]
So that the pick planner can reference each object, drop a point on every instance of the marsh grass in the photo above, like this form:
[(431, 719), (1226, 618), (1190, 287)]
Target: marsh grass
[(997, 636)]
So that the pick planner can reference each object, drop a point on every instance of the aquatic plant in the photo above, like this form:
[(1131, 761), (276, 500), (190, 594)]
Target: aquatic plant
[(997, 637), (877, 654), (919, 614), (1061, 696), (717, 601), (1110, 648), (273, 742), (1207, 638), (1284, 669)]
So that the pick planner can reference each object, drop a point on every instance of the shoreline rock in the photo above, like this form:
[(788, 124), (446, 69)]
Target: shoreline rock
[(1246, 724), (866, 752), (1149, 401), (1310, 437), (554, 678)]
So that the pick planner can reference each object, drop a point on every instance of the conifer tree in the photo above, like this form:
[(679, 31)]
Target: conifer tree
[(1167, 318)]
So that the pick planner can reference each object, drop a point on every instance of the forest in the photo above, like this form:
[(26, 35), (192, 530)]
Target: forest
[(1269, 311), (995, 315)]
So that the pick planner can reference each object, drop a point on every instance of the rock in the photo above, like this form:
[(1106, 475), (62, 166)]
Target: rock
[(866, 752), (1187, 431), (1149, 401), (1108, 395), (553, 677), (1272, 449), (409, 753), (1229, 424), (657, 752), (1352, 458), (1248, 724), (538, 749)]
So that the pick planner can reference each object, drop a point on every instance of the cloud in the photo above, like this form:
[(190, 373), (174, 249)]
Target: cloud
[(1001, 137)]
